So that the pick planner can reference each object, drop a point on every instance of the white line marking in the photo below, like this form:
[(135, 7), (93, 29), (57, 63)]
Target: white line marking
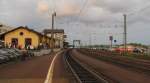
[(50, 71)]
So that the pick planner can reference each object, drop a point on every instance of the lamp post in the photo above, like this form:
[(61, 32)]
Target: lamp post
[(52, 32)]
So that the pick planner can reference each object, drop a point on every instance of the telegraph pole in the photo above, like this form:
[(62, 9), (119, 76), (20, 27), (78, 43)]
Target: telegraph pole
[(52, 33), (125, 34)]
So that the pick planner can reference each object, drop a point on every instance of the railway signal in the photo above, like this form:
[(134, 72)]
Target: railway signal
[(111, 41)]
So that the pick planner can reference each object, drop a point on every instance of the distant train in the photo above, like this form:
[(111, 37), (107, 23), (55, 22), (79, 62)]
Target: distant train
[(130, 50)]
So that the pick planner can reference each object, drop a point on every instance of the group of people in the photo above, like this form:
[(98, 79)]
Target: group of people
[(27, 47)]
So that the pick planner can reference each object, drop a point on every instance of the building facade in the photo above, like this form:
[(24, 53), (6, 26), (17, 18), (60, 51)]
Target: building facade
[(22, 37), (58, 36)]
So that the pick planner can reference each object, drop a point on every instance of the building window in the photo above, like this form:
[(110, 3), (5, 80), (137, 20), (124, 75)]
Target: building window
[(21, 33), (28, 41)]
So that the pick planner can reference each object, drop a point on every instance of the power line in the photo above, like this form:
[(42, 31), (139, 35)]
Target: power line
[(54, 6), (139, 10), (135, 13), (83, 7)]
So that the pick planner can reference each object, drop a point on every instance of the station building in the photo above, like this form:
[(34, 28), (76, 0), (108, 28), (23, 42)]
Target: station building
[(23, 36), (59, 36)]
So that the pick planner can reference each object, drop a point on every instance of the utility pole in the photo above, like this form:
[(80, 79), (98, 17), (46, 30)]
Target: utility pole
[(52, 33), (125, 34)]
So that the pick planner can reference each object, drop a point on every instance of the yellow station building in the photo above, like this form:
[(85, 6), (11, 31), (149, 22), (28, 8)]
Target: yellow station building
[(23, 36)]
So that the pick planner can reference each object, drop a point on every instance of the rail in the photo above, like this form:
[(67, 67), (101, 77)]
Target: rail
[(82, 73)]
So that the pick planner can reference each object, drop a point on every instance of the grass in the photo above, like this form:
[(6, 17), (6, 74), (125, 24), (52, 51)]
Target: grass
[(138, 56)]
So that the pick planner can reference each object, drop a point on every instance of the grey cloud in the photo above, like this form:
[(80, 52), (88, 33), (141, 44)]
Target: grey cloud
[(95, 17)]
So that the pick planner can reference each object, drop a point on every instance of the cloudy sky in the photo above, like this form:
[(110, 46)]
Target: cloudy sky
[(86, 20)]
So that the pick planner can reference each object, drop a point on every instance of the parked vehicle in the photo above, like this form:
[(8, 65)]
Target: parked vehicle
[(5, 56), (15, 52), (1, 44), (3, 59), (11, 54), (15, 55), (136, 50)]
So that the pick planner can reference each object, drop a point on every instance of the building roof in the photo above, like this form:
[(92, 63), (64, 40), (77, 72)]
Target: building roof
[(21, 27), (54, 31)]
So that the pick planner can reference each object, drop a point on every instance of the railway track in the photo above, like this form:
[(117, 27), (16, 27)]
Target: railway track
[(134, 64), (81, 73)]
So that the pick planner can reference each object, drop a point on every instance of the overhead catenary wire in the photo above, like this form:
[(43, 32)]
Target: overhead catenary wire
[(78, 19), (85, 2), (52, 5), (139, 9), (80, 12), (135, 13), (83, 7)]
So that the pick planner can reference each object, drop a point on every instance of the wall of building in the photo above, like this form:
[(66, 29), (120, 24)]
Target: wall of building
[(59, 39), (21, 38)]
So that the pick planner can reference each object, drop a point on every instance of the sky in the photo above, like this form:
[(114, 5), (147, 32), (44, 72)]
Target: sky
[(91, 21)]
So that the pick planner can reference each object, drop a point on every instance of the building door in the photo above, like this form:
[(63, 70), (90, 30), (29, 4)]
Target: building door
[(28, 41), (14, 42)]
